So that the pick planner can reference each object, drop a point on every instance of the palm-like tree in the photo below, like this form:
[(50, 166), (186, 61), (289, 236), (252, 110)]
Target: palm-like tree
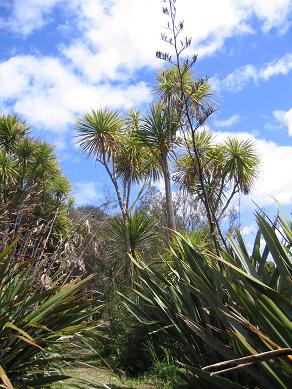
[(158, 132), (31, 197), (12, 130), (25, 151), (8, 170), (242, 163), (140, 229), (170, 87), (135, 164), (229, 168), (99, 132), (109, 138)]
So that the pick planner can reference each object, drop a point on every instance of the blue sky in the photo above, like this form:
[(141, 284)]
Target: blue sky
[(60, 58)]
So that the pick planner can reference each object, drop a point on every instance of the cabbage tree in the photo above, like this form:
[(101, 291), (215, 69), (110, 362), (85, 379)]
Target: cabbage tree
[(109, 138), (230, 168)]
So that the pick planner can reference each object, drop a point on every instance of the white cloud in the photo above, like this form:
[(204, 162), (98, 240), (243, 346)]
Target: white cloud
[(207, 20), (27, 16), (274, 179), (227, 122), (85, 193), (116, 39), (285, 118), (121, 36), (273, 13), (280, 66), (236, 80), (49, 95), (125, 33), (248, 230)]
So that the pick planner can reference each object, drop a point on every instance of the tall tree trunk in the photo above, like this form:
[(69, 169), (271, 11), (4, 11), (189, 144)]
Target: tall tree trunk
[(123, 203), (168, 194), (125, 212), (127, 264)]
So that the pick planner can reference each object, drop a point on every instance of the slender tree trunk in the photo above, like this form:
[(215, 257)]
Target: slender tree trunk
[(127, 265), (123, 203), (212, 223), (168, 194), (125, 213)]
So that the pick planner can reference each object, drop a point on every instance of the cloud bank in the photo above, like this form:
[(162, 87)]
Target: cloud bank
[(273, 180), (117, 39)]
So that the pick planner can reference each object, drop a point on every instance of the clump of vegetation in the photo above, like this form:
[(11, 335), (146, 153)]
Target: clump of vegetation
[(165, 368), (34, 194), (43, 302), (210, 314), (36, 321)]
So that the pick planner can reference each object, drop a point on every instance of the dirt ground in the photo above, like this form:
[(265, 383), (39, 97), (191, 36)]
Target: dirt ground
[(106, 379)]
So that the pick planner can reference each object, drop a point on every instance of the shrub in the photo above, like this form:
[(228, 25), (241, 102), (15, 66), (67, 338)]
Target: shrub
[(36, 315), (124, 348), (164, 368), (213, 314)]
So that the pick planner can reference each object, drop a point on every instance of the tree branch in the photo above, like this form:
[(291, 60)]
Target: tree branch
[(241, 363), (146, 182)]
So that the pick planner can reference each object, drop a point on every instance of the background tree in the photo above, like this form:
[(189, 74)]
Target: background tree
[(35, 196), (229, 168), (193, 116), (158, 132), (109, 138)]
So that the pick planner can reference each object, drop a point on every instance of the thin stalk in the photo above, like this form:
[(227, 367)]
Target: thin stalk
[(211, 222), (247, 361)]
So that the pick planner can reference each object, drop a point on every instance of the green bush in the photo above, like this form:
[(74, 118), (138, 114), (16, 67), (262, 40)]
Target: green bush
[(216, 315), (164, 368), (124, 347), (37, 315)]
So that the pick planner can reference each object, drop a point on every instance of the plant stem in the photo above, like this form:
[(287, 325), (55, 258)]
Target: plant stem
[(211, 222)]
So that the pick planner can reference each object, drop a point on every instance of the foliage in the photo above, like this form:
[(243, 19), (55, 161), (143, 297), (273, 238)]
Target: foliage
[(124, 348), (35, 319), (164, 367), (110, 139), (213, 315), (170, 83), (159, 129), (140, 231), (34, 194), (229, 168)]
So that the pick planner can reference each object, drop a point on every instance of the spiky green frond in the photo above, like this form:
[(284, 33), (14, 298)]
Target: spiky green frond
[(158, 129), (135, 161), (36, 313), (8, 169), (140, 229), (218, 315), (12, 130), (98, 132), (231, 166), (242, 162)]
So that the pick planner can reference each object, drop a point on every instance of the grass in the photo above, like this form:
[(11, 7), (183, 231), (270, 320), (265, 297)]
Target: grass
[(107, 379)]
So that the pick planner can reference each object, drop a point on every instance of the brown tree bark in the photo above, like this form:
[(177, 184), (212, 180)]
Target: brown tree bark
[(171, 224)]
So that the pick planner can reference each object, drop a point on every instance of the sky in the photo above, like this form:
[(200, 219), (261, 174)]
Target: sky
[(61, 58)]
